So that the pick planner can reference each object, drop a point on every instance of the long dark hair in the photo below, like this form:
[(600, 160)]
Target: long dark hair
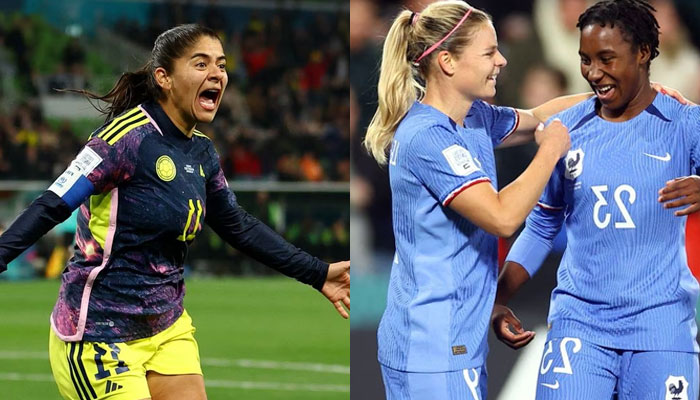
[(134, 88)]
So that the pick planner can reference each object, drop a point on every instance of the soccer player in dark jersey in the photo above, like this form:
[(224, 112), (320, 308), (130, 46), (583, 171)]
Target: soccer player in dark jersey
[(622, 317), (146, 182)]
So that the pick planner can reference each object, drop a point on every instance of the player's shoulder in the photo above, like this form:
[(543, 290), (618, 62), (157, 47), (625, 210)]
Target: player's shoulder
[(482, 108), (672, 110), (203, 145), (574, 115), (134, 121), (421, 123)]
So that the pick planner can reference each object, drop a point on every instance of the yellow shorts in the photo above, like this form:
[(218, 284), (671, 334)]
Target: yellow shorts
[(117, 371)]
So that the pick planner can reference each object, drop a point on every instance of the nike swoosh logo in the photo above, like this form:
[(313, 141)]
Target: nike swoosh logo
[(667, 157), (554, 386)]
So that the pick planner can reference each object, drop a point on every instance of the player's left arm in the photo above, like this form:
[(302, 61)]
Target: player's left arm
[(247, 234)]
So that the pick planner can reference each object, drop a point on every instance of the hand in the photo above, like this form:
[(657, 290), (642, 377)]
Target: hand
[(337, 287), (508, 329), (555, 136), (671, 92), (681, 192)]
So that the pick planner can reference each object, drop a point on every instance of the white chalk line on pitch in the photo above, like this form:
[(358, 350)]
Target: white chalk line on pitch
[(522, 380), (215, 362), (217, 383)]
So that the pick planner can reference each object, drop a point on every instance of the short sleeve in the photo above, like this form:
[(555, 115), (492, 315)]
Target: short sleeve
[(500, 122), (443, 164), (98, 168)]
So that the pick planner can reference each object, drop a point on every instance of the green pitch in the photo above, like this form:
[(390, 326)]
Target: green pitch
[(271, 338)]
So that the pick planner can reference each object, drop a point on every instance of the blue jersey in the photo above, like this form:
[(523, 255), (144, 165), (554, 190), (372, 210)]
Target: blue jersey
[(624, 280), (443, 279)]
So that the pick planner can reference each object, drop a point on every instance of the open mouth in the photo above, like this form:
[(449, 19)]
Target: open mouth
[(208, 99), (604, 92), (492, 77)]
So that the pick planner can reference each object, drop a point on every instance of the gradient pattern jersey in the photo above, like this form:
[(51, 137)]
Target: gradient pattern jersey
[(443, 278), (624, 281), (144, 190)]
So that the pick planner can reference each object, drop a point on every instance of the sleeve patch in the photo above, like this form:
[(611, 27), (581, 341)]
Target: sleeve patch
[(460, 160), (86, 161)]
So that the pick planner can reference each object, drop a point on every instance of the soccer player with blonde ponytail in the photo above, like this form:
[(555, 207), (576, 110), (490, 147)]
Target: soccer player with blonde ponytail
[(437, 67)]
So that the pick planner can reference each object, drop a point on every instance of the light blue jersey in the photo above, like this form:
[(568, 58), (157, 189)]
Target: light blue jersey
[(624, 281), (443, 279)]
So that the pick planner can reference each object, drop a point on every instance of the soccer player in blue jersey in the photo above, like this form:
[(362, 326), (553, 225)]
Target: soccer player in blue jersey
[(446, 212), (622, 317), (146, 182)]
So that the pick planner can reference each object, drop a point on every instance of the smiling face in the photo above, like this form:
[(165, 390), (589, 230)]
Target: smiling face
[(478, 65), (616, 71), (195, 86)]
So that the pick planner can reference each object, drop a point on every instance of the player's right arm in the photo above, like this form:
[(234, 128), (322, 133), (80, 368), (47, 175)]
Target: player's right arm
[(501, 213), (524, 259), (97, 168)]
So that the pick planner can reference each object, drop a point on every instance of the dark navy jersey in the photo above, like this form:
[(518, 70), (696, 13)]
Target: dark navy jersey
[(144, 190)]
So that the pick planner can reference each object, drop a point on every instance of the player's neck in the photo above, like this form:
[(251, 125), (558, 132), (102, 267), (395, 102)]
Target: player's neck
[(642, 99), (177, 118), (448, 101)]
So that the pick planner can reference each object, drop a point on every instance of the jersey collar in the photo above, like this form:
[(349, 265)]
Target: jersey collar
[(166, 126)]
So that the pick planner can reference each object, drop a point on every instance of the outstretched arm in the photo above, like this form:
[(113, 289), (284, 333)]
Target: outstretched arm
[(247, 234), (47, 211), (337, 287), (94, 169)]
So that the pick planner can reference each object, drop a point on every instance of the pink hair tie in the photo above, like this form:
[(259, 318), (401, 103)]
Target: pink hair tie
[(436, 45), (414, 17)]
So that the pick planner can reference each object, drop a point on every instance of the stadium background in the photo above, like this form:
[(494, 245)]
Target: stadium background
[(540, 42), (283, 137)]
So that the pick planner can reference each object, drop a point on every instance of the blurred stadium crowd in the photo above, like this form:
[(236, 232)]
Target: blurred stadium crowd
[(283, 116)]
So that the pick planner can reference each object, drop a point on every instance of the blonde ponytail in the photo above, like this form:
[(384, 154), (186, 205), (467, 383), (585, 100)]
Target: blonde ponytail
[(399, 80), (397, 88)]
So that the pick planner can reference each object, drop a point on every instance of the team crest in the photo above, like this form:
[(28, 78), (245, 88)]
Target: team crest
[(573, 164), (676, 388), (165, 168)]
